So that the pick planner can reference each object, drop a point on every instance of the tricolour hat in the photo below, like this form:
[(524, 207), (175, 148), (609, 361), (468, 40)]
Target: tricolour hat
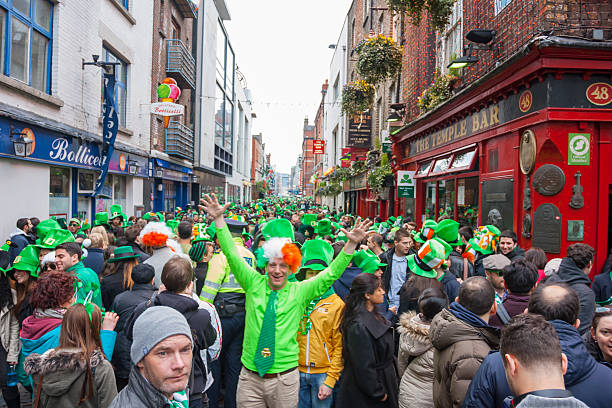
[(323, 227), (486, 240), (115, 211), (279, 228), (54, 238), (448, 231), (431, 255), (428, 231), (123, 253), (317, 255), (27, 260), (367, 261)]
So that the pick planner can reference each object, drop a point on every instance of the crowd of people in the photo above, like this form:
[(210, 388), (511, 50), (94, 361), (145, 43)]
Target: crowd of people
[(284, 303)]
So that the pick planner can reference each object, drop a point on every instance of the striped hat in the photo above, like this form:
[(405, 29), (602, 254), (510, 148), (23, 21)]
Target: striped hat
[(197, 251), (431, 255), (428, 231), (486, 240)]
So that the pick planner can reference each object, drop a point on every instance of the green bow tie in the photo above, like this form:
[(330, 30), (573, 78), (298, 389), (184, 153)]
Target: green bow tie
[(264, 356)]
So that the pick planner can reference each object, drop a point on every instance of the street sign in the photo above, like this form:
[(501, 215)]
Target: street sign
[(579, 149), (167, 109), (318, 147), (360, 130), (405, 184)]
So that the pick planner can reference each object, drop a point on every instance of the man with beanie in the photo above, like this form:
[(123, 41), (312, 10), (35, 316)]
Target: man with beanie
[(124, 304), (161, 355)]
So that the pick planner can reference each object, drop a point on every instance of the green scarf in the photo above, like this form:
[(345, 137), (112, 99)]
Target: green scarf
[(179, 400), (305, 323)]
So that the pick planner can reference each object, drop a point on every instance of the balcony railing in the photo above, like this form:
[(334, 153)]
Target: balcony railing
[(181, 63), (179, 140)]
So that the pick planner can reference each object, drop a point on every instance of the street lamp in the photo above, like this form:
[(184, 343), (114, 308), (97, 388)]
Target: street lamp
[(194, 179), (398, 112), (21, 143), (159, 173)]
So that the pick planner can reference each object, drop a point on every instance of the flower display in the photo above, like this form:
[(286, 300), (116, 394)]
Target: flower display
[(379, 58), (357, 97)]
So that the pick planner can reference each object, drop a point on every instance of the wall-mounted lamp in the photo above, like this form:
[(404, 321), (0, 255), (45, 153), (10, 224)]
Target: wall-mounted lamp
[(21, 142), (485, 40), (397, 113), (159, 173), (132, 166)]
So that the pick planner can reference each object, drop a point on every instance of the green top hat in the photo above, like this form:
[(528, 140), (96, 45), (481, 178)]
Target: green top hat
[(173, 225), (123, 253), (115, 211), (486, 240), (309, 219), (317, 255), (431, 255), (279, 228), (367, 261), (323, 227), (448, 231), (54, 238), (392, 220), (427, 232), (43, 228), (27, 260), (100, 218)]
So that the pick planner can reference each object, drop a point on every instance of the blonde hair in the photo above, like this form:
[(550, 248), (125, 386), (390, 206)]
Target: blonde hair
[(97, 240), (101, 231)]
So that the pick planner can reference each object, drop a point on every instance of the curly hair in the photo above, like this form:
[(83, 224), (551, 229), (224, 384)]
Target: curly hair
[(53, 290)]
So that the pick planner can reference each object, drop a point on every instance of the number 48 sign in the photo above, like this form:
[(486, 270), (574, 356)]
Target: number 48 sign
[(599, 93)]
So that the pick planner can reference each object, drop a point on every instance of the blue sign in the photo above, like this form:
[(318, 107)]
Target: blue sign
[(110, 125)]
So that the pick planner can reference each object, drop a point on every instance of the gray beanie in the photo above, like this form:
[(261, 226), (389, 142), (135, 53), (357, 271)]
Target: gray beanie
[(154, 325)]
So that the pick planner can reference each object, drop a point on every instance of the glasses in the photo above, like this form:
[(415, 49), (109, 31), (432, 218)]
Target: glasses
[(74, 225)]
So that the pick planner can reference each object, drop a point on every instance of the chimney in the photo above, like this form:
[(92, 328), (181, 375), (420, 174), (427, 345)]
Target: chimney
[(305, 122), (324, 87)]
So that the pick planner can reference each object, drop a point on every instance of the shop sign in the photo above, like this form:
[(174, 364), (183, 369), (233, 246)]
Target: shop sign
[(386, 142), (167, 109), (599, 93), (360, 130), (579, 149), (110, 124), (318, 147), (405, 184)]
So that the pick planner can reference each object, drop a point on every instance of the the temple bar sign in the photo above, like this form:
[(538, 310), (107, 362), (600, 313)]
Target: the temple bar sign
[(468, 126)]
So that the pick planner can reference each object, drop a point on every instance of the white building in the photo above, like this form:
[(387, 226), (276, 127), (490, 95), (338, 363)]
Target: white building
[(50, 97)]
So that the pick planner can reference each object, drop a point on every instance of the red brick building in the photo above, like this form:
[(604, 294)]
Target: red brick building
[(258, 163), (525, 140), (319, 126), (308, 160)]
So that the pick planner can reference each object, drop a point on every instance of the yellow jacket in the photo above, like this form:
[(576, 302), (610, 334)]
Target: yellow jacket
[(321, 348)]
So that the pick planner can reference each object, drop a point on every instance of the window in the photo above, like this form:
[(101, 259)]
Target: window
[(25, 41), (126, 4), (424, 169), (467, 201), (441, 165), (381, 23), (59, 192), (121, 84), (446, 198), (450, 42), (367, 5), (500, 5), (224, 103), (335, 90)]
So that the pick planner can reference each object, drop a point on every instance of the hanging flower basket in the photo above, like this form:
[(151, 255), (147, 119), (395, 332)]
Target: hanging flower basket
[(357, 97), (437, 93), (439, 11), (379, 58)]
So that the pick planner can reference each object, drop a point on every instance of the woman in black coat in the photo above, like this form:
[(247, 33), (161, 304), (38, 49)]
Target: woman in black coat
[(370, 372), (117, 274)]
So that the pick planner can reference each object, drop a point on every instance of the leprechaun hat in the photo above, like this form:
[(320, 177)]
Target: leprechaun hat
[(27, 261), (367, 261), (431, 255), (316, 255), (448, 231), (427, 232), (54, 238)]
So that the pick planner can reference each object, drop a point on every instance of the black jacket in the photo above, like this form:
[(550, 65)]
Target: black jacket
[(94, 260), (602, 287), (517, 252), (138, 250), (204, 334), (456, 266), (139, 393), (200, 271), (370, 369), (479, 269), (569, 273), (124, 304), (111, 286), (387, 257), (450, 284)]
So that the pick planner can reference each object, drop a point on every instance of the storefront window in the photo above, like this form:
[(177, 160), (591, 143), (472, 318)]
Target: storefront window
[(119, 191), (463, 160), (441, 165), (59, 192), (430, 200), (424, 169), (169, 195), (467, 201), (83, 204), (446, 200)]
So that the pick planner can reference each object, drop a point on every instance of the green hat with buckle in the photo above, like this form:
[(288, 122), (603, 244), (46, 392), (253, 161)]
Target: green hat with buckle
[(279, 228), (309, 219), (486, 240), (431, 255), (27, 261), (54, 238), (101, 218), (448, 231), (367, 261), (116, 211), (323, 227), (43, 228), (123, 253), (316, 255), (428, 231)]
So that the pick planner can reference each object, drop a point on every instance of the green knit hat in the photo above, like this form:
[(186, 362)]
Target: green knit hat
[(309, 219), (54, 238), (123, 253), (323, 227), (432, 254), (279, 228), (367, 261), (317, 255), (101, 218), (115, 211), (27, 260), (486, 240), (448, 231), (428, 231)]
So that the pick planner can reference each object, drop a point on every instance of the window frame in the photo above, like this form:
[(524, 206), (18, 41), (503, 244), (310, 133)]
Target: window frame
[(224, 149), (30, 22), (121, 115)]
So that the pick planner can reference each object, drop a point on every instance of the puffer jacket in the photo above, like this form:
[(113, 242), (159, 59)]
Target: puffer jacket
[(415, 362), (63, 372), (9, 332), (459, 350), (321, 347), (139, 393)]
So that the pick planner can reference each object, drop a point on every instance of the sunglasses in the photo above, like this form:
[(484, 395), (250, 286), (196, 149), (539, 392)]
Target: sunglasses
[(49, 266), (74, 225)]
